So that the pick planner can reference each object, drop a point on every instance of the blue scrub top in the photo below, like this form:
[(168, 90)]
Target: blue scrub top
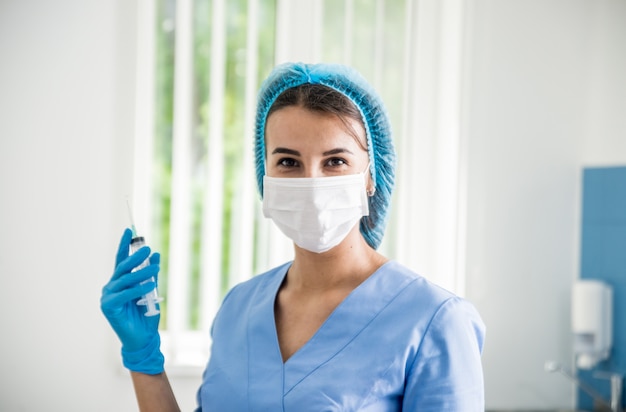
[(396, 343)]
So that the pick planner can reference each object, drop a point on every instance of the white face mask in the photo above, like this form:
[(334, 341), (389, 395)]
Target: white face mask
[(317, 213)]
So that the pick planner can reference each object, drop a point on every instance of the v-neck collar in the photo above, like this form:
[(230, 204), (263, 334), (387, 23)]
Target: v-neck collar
[(348, 319)]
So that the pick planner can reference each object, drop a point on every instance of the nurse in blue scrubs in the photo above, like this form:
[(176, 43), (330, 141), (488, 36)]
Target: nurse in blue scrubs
[(340, 327)]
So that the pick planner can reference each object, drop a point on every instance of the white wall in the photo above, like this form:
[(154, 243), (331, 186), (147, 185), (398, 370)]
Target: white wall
[(66, 104), (546, 96), (605, 137)]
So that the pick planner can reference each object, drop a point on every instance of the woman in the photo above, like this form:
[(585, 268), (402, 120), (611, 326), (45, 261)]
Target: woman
[(340, 327)]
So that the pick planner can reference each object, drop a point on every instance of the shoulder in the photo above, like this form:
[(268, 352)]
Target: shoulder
[(414, 290), (437, 309)]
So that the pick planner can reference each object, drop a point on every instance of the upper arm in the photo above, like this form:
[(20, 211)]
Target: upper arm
[(447, 372)]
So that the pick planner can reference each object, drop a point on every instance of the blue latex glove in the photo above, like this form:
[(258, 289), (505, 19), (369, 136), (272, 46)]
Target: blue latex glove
[(139, 334)]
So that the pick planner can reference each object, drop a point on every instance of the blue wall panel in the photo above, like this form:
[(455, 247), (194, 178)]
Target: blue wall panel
[(603, 256)]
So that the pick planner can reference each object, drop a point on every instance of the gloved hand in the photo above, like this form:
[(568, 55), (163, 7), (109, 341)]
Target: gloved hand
[(139, 334)]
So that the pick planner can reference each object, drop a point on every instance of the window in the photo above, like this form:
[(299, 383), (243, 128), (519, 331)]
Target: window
[(200, 64)]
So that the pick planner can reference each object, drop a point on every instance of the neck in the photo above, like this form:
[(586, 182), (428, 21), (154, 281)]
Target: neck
[(346, 265)]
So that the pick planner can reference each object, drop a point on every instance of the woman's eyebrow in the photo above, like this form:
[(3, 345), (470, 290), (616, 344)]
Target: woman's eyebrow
[(337, 151), (284, 150)]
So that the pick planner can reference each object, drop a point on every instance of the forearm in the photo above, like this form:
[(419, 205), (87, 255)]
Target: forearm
[(154, 393)]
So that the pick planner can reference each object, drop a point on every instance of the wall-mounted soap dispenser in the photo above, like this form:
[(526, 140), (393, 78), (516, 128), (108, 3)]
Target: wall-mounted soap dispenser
[(592, 321)]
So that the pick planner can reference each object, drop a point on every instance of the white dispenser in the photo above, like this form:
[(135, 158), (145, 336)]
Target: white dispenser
[(592, 321)]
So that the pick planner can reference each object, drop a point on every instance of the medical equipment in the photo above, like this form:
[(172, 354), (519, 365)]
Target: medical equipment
[(592, 321), (317, 213), (151, 298)]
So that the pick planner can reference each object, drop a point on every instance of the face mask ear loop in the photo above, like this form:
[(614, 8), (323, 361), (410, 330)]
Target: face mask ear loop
[(367, 168), (366, 172)]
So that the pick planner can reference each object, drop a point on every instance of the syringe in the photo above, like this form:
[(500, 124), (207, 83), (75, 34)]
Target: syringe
[(151, 298)]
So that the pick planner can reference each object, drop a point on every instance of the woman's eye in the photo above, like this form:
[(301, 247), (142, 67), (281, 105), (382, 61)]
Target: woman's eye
[(336, 162), (287, 162)]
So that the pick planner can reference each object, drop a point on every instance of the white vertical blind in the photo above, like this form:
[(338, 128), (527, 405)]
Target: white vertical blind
[(241, 259), (449, 135), (212, 215), (144, 118), (317, 29), (405, 211), (348, 29), (379, 44), (180, 245)]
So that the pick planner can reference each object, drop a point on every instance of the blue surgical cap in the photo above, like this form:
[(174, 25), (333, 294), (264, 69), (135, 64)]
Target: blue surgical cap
[(350, 83)]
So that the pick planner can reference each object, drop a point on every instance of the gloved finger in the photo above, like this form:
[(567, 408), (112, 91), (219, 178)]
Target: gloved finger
[(131, 262), (155, 259), (113, 303), (122, 250), (131, 279)]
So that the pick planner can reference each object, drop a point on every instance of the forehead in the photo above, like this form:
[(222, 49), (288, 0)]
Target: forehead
[(298, 126)]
